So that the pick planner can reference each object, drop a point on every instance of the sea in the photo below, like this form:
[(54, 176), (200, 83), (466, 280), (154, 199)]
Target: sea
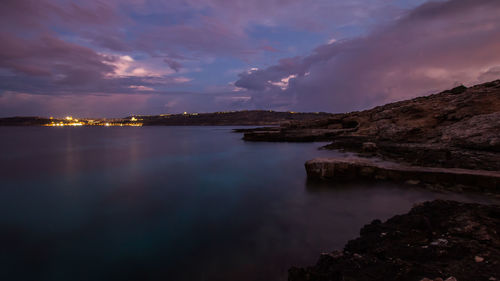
[(175, 203)]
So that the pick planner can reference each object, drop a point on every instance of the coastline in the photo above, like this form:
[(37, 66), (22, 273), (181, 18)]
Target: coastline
[(437, 240), (454, 129), (447, 141)]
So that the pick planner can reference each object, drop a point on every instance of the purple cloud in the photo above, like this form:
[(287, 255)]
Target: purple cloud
[(175, 55), (49, 56), (433, 47)]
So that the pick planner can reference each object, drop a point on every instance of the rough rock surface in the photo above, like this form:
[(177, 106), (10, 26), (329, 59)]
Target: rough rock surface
[(458, 128), (438, 239), (353, 168)]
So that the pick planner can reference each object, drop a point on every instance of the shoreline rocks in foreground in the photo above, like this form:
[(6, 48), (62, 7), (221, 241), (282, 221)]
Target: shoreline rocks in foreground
[(449, 140), (438, 239)]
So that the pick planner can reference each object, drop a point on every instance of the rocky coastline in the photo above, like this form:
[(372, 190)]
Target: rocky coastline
[(438, 240), (454, 129), (449, 140)]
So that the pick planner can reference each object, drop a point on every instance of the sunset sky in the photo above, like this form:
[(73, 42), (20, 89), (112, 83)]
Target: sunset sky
[(120, 57)]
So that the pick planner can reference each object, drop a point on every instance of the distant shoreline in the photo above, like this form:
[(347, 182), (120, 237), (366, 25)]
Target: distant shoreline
[(230, 118)]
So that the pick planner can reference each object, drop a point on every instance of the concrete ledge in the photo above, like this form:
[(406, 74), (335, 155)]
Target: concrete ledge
[(343, 169)]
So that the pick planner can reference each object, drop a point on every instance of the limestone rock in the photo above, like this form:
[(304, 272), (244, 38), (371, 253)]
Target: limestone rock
[(458, 128), (399, 254)]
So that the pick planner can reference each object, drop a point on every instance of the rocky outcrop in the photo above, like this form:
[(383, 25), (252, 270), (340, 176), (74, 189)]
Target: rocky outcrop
[(304, 131), (437, 155), (352, 169), (435, 240), (481, 132), (458, 128)]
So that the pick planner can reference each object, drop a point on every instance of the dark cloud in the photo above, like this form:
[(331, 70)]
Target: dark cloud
[(62, 62), (173, 64), (92, 53), (42, 14), (433, 47)]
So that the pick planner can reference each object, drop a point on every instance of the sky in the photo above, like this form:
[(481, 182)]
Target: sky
[(117, 58)]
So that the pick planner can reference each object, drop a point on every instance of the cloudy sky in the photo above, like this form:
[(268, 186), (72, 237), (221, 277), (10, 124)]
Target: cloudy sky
[(121, 57)]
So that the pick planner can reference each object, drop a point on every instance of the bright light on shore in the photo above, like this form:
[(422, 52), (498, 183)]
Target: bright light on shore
[(69, 121)]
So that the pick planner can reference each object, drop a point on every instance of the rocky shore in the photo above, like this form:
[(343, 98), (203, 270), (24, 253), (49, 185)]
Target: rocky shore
[(454, 129), (449, 140), (438, 240)]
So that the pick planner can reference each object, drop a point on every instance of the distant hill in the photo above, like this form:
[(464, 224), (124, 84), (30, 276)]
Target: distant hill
[(24, 121), (231, 118), (241, 118)]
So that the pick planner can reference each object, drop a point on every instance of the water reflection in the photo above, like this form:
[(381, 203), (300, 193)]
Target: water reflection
[(173, 203)]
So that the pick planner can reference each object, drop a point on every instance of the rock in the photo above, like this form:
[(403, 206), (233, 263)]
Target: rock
[(354, 168), (440, 242), (457, 90), (458, 128), (357, 256), (399, 255), (478, 259), (439, 279), (412, 182), (369, 147), (481, 132)]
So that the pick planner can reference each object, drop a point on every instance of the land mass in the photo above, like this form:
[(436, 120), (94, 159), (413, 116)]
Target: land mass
[(227, 118), (456, 129)]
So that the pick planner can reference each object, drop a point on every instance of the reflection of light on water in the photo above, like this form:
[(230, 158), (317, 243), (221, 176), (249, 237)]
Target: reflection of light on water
[(71, 159), (191, 194)]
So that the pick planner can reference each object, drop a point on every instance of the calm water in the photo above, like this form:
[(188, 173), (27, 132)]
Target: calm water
[(172, 203)]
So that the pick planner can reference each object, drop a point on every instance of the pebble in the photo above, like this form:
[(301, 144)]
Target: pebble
[(412, 182), (358, 256), (440, 242)]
